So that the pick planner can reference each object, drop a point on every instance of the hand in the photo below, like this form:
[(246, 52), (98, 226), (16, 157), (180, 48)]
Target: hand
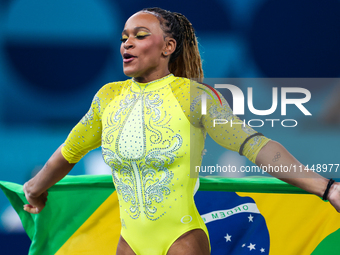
[(334, 196), (36, 204)]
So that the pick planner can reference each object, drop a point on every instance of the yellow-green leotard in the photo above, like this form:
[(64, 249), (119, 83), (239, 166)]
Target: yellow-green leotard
[(152, 135)]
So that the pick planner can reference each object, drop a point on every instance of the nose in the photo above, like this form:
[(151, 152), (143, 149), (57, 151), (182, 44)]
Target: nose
[(128, 44)]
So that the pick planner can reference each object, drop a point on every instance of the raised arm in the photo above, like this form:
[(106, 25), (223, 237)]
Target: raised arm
[(273, 154), (52, 172)]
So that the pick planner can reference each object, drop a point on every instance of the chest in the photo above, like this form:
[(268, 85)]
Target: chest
[(141, 125)]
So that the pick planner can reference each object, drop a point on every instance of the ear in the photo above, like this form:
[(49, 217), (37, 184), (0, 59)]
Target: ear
[(170, 46)]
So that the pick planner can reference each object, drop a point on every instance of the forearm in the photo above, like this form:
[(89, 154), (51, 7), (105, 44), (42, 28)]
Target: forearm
[(274, 154), (52, 172)]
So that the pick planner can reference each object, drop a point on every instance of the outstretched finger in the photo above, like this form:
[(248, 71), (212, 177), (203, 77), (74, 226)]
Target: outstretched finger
[(31, 209)]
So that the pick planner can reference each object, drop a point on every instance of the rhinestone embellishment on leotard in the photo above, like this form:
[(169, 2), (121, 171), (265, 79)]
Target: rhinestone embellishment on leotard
[(89, 115), (145, 146)]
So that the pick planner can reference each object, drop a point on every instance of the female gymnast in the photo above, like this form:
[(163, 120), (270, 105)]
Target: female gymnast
[(152, 132)]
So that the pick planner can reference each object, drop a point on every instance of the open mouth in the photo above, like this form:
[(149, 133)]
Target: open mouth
[(128, 57)]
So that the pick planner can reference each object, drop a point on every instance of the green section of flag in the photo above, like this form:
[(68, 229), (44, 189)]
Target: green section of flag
[(16, 196), (70, 203), (250, 184), (330, 245)]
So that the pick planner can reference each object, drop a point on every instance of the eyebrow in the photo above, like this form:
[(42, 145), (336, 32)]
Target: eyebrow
[(136, 28)]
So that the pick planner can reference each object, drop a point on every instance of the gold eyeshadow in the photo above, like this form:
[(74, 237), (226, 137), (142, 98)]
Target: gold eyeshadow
[(142, 33)]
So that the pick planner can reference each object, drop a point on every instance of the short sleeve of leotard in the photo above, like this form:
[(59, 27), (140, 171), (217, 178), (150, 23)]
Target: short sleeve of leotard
[(233, 132), (86, 135)]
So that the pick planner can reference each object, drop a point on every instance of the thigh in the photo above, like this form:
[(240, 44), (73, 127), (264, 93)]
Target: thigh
[(123, 248), (194, 242)]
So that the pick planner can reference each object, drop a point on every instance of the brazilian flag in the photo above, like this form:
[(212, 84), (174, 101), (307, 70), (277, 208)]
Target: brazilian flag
[(243, 216)]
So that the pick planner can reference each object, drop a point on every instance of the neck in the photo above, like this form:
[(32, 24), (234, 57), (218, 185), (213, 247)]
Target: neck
[(151, 77)]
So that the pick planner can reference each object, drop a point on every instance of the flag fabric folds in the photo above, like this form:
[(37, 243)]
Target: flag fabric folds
[(243, 216)]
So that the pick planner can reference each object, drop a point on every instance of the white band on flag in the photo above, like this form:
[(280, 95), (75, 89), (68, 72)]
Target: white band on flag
[(220, 215)]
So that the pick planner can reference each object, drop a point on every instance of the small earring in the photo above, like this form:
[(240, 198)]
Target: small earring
[(165, 53)]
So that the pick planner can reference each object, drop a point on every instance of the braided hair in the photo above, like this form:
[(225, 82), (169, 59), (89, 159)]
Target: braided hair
[(185, 61)]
